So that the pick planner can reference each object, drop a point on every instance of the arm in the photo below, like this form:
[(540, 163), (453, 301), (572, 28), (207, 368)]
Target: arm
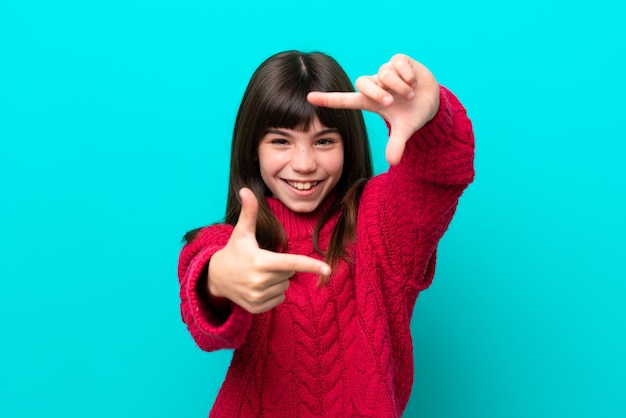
[(414, 202), (240, 276), (404, 213), (212, 323)]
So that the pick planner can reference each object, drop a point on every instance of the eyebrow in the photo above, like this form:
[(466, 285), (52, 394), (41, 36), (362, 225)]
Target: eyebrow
[(289, 135)]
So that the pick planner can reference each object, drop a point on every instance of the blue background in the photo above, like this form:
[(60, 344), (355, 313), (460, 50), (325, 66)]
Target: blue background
[(115, 124)]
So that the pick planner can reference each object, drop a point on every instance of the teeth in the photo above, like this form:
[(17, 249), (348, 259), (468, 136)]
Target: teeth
[(302, 186)]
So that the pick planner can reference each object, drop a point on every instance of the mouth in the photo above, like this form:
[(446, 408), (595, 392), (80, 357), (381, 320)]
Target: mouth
[(302, 185)]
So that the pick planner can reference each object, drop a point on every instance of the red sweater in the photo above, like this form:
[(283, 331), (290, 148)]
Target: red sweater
[(344, 349)]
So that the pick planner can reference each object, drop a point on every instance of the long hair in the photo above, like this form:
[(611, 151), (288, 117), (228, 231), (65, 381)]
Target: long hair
[(276, 98)]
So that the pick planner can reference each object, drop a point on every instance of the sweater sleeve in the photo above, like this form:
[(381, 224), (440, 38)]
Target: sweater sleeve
[(407, 210), (208, 331)]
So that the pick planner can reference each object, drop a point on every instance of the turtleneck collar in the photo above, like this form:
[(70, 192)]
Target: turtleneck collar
[(301, 224)]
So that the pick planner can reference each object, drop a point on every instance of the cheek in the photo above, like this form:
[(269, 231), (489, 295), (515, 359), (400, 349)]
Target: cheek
[(336, 165), (266, 161), (267, 176), (271, 164)]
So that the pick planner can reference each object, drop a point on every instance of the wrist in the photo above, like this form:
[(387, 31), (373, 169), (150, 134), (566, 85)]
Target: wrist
[(216, 300), (209, 278)]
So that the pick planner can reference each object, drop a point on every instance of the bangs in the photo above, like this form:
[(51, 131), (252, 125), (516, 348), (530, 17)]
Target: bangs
[(290, 109)]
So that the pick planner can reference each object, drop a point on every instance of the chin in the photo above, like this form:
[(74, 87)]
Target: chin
[(303, 207)]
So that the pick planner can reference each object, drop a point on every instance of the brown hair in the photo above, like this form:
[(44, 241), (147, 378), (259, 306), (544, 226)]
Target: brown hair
[(276, 98)]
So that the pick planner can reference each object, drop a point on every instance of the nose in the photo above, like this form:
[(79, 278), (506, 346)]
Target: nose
[(303, 160)]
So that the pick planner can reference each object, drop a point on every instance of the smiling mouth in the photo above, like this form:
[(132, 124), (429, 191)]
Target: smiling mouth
[(302, 185)]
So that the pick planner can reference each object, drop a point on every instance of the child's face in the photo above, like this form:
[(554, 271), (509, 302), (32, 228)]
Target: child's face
[(301, 168)]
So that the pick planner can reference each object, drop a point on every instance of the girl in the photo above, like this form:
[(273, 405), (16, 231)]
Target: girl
[(313, 276)]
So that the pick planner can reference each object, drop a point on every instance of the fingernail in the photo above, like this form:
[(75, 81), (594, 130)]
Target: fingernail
[(411, 95), (325, 271), (387, 100)]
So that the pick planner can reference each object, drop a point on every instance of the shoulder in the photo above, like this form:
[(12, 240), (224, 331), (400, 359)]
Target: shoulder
[(215, 236), (207, 233)]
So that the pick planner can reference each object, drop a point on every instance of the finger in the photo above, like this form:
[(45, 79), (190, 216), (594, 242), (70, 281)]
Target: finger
[(249, 209), (394, 150), (392, 81), (404, 67), (257, 308), (274, 302), (280, 287), (268, 291), (289, 263), (337, 100), (400, 134), (374, 92)]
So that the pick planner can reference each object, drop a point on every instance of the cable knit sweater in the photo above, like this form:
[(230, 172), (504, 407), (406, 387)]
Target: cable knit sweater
[(345, 349)]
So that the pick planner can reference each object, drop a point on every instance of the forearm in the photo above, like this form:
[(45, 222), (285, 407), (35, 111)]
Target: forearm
[(214, 323), (220, 307), (442, 151), (415, 201)]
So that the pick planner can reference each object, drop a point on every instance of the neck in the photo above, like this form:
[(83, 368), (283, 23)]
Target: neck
[(298, 224)]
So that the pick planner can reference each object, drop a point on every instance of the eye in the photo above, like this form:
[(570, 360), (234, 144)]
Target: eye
[(279, 141), (325, 141)]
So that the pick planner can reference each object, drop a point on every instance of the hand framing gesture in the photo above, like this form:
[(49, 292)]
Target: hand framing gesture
[(403, 92)]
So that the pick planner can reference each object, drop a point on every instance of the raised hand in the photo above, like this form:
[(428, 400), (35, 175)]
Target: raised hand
[(404, 92), (249, 276)]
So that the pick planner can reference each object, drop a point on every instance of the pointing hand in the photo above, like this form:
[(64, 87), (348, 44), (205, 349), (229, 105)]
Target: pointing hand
[(249, 276)]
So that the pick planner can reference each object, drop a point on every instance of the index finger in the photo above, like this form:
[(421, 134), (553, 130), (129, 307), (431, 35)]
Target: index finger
[(405, 68), (294, 262), (337, 100)]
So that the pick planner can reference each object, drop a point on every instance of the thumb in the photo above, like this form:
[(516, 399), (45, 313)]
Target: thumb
[(249, 209), (396, 144)]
